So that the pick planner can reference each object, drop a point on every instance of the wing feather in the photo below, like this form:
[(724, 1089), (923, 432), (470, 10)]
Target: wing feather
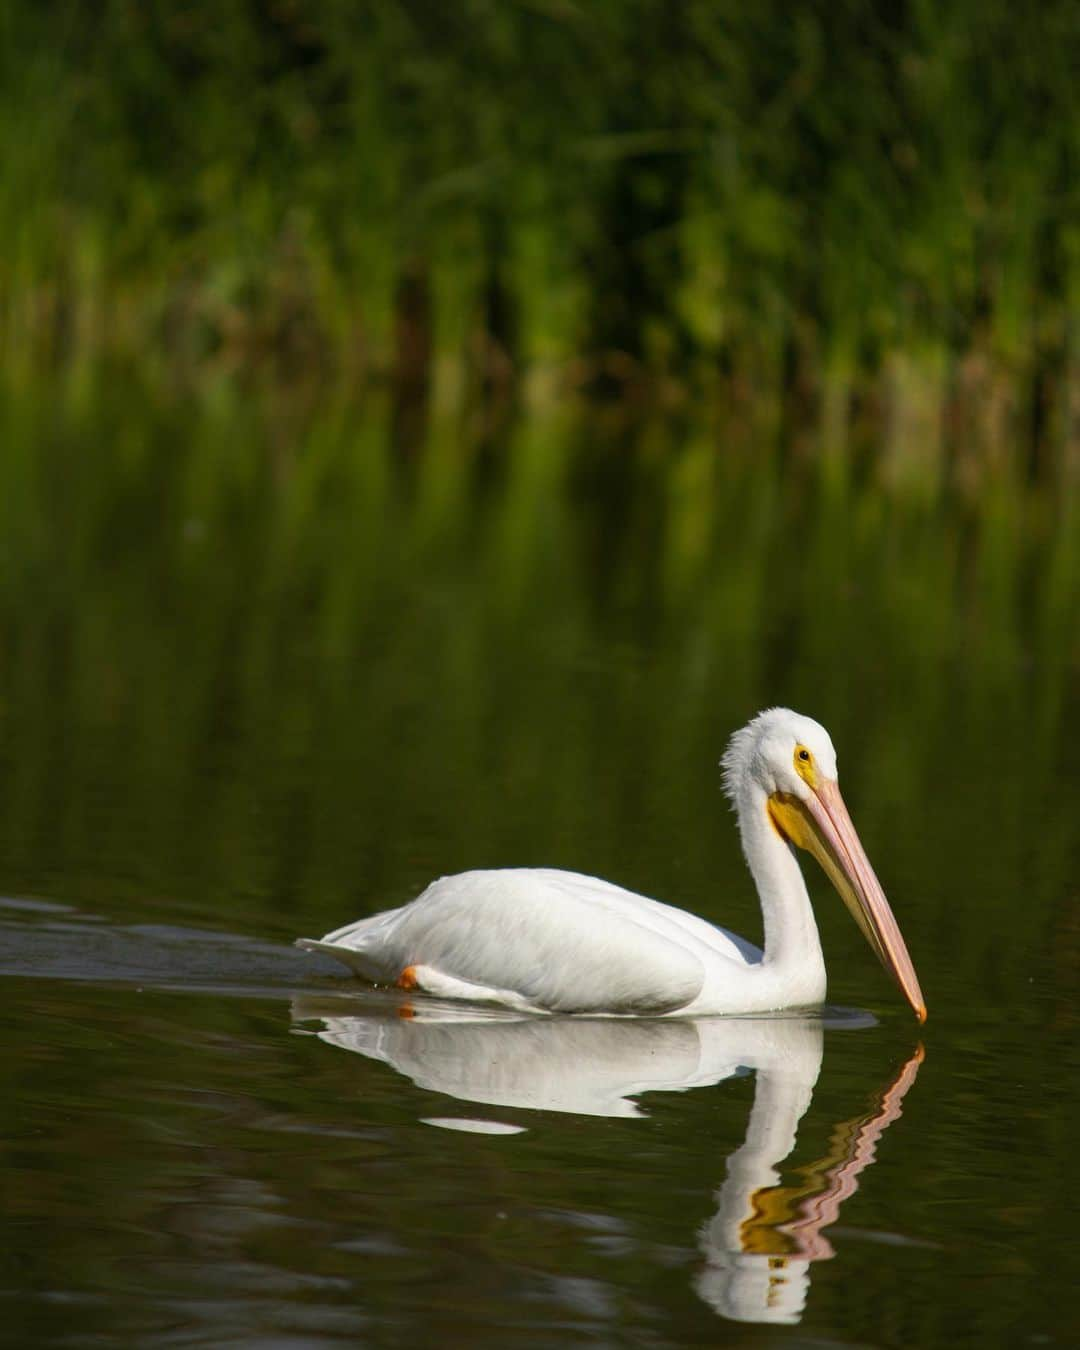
[(560, 941)]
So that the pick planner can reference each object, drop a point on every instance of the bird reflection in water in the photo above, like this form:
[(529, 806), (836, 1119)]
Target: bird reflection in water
[(760, 1244)]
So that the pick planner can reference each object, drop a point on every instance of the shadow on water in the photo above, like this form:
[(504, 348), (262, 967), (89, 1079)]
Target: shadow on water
[(764, 1236)]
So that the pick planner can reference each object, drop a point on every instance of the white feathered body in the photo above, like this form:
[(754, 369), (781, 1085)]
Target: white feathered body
[(544, 940)]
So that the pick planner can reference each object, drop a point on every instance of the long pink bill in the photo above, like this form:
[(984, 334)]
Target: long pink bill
[(860, 889)]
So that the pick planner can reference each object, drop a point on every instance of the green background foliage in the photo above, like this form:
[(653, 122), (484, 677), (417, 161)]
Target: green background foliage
[(879, 197)]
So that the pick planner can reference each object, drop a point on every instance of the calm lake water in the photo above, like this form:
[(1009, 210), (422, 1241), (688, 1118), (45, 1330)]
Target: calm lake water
[(269, 665)]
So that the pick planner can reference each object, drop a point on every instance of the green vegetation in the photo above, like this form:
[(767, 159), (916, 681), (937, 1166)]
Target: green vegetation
[(871, 210)]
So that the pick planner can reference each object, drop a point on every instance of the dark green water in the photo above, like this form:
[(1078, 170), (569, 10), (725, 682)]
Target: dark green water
[(270, 665)]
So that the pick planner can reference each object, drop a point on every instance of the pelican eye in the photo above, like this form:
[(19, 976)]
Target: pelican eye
[(804, 765)]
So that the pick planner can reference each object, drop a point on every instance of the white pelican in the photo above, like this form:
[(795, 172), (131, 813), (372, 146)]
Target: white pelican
[(541, 940)]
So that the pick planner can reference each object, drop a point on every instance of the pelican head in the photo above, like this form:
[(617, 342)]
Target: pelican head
[(785, 764)]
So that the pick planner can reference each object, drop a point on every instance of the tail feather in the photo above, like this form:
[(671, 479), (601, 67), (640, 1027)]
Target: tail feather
[(357, 961), (360, 930)]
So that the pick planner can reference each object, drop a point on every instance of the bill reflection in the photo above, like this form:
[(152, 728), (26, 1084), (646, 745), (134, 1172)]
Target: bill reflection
[(760, 1244)]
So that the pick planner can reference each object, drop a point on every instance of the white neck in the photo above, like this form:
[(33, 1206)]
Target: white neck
[(792, 946)]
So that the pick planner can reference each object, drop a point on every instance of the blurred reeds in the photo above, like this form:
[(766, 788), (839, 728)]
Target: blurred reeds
[(867, 212)]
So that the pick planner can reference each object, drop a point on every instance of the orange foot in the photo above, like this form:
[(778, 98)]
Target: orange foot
[(407, 979)]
